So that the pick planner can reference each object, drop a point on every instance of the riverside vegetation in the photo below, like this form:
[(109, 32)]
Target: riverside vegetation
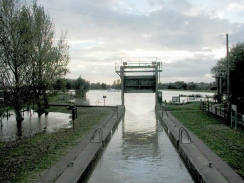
[(224, 141), (23, 160)]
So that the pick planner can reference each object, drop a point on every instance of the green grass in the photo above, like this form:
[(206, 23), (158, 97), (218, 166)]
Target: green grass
[(23, 160), (224, 141), (60, 98), (183, 107), (208, 91)]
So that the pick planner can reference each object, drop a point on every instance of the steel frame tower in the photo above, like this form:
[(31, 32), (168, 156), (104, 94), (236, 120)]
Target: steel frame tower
[(130, 70)]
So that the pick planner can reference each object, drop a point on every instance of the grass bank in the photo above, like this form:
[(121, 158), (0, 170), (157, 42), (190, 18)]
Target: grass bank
[(224, 141), (24, 159)]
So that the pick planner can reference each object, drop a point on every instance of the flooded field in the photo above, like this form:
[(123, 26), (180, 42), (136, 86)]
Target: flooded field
[(58, 121), (32, 124)]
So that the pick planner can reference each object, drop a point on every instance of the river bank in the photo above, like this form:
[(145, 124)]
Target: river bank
[(20, 160)]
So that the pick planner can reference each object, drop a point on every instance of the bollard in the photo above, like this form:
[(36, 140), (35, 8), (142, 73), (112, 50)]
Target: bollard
[(117, 111)]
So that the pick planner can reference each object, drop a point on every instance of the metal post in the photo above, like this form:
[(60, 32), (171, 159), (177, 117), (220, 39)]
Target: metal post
[(117, 111), (122, 84), (231, 124), (156, 88), (104, 97), (73, 116), (228, 72)]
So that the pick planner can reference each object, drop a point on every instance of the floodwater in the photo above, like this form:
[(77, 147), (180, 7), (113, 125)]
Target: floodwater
[(32, 125), (53, 122), (140, 150), (95, 97)]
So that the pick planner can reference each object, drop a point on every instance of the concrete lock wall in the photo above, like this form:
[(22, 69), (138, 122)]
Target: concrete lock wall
[(203, 164)]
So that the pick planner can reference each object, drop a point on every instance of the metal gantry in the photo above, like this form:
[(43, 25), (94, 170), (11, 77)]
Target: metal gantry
[(139, 75), (219, 79)]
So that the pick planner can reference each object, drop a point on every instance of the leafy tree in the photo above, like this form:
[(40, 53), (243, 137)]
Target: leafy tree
[(116, 84), (30, 62), (171, 86), (95, 86), (236, 65), (49, 61), (60, 85), (163, 85), (180, 85), (68, 85), (192, 86), (15, 41), (103, 86), (81, 86), (237, 72)]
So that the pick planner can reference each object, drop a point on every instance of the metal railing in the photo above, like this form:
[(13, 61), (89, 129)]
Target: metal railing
[(222, 112), (181, 130), (99, 101), (97, 133)]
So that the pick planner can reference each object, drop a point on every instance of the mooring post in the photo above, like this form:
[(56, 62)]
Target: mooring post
[(122, 84)]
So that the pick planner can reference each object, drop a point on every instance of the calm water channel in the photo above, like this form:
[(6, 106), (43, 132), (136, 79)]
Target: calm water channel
[(140, 150)]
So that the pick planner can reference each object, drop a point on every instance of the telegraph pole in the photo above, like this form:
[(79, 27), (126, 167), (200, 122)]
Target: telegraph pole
[(228, 69)]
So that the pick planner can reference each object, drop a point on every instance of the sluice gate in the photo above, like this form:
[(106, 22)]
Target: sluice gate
[(139, 75)]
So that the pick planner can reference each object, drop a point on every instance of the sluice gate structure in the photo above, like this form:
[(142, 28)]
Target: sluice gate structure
[(139, 75)]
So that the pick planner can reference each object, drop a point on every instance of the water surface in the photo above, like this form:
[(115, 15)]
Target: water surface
[(140, 150)]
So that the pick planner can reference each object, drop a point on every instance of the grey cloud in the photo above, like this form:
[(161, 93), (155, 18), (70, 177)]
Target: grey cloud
[(166, 26), (170, 26)]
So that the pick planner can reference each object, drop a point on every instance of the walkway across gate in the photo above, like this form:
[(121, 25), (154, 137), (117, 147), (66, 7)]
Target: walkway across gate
[(139, 75)]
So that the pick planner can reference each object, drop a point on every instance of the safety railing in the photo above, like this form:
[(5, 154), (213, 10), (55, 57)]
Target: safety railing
[(97, 136), (164, 111), (99, 101), (181, 130)]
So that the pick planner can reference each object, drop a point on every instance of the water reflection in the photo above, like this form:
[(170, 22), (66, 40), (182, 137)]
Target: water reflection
[(139, 150), (32, 124), (143, 138)]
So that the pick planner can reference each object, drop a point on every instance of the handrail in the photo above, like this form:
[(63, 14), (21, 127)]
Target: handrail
[(1, 120), (164, 110), (97, 131), (99, 101), (181, 129)]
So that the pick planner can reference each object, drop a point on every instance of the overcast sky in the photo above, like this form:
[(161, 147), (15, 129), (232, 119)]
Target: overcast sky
[(187, 36)]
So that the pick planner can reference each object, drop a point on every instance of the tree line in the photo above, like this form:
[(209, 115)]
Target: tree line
[(75, 84), (81, 84), (181, 85), (31, 61)]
